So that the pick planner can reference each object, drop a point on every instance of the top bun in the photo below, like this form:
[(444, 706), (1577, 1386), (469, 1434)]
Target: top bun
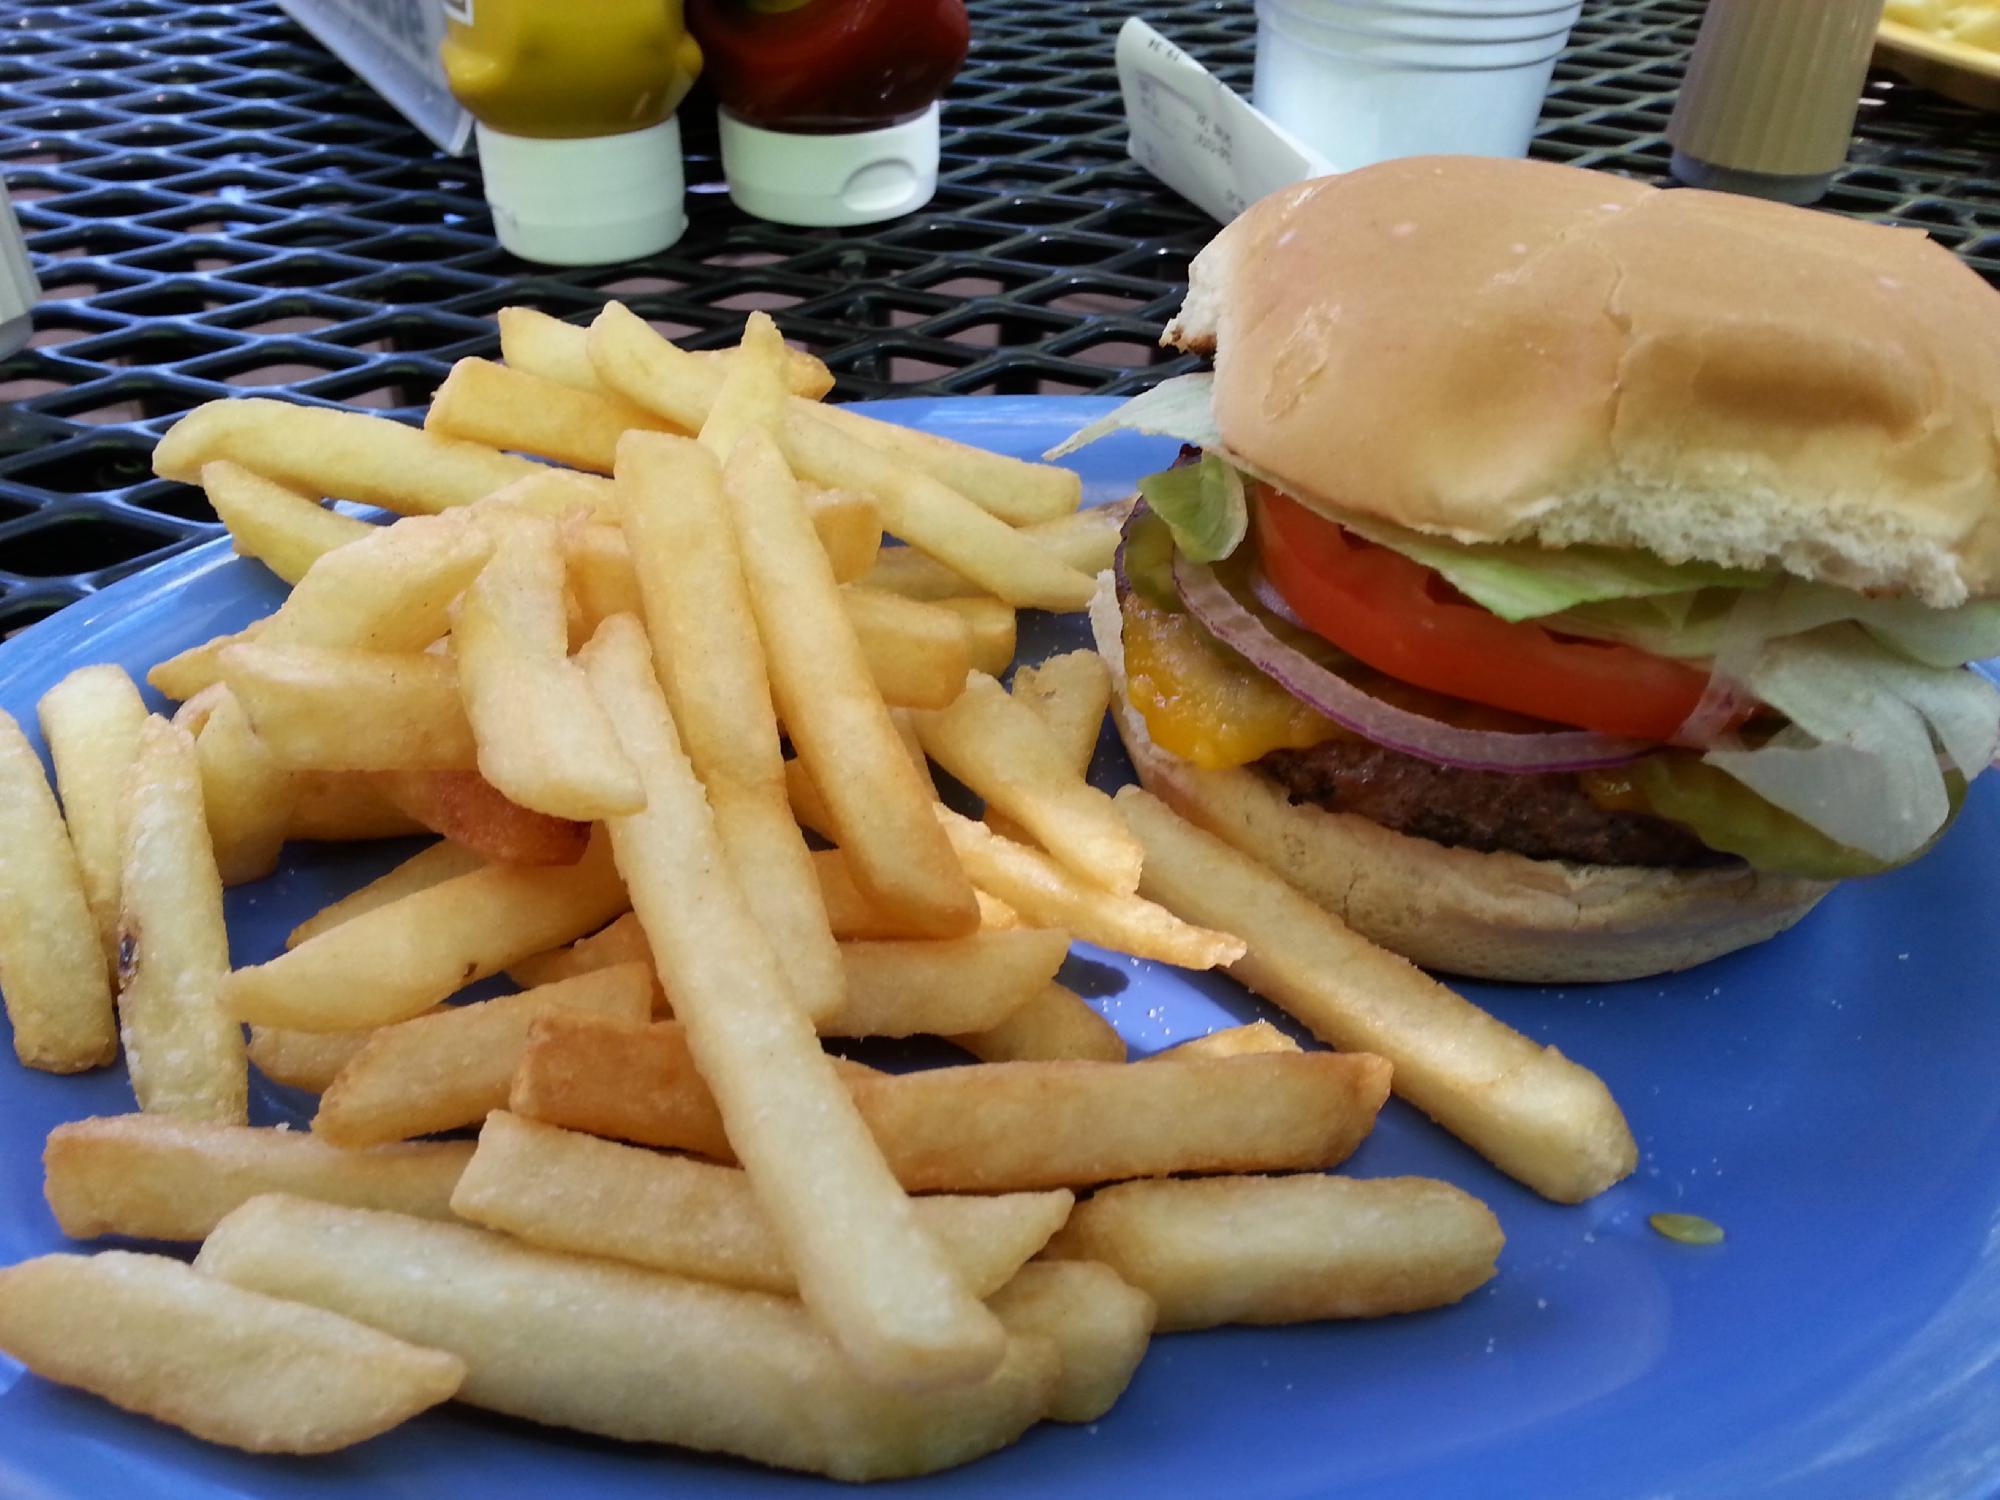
[(1510, 350)]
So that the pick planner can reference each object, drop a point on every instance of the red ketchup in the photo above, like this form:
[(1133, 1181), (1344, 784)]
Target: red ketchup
[(829, 107)]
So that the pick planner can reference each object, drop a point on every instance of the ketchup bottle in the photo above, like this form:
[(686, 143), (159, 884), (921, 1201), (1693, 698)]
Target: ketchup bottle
[(829, 107)]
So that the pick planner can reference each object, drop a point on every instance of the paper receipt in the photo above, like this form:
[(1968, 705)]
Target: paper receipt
[(1197, 135)]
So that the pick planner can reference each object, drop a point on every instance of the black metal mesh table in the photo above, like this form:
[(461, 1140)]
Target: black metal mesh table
[(217, 205)]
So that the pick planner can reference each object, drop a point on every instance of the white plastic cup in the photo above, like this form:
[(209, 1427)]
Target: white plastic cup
[(1364, 81)]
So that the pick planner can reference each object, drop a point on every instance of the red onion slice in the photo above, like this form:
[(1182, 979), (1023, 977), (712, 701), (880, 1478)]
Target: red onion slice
[(1267, 595), (1723, 705), (1382, 723)]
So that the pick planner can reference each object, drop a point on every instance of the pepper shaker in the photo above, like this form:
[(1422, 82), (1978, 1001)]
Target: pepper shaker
[(1768, 104)]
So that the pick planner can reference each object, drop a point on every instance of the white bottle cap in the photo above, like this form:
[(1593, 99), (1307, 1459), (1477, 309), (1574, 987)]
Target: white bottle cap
[(588, 201), (829, 180)]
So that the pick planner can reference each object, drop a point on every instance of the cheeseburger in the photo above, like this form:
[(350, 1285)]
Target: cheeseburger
[(1566, 579)]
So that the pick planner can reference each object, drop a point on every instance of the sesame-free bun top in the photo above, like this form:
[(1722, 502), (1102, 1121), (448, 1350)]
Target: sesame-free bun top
[(1510, 350)]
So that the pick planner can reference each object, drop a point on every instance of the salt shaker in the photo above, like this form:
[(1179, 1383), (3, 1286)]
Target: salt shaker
[(1770, 96)]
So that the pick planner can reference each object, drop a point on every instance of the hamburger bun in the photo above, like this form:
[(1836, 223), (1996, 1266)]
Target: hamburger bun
[(1495, 916), (1511, 350)]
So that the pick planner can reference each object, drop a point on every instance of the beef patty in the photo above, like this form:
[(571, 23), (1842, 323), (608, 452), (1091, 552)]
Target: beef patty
[(1544, 815)]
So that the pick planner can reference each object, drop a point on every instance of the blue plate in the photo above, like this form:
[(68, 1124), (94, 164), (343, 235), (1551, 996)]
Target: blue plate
[(1831, 1098)]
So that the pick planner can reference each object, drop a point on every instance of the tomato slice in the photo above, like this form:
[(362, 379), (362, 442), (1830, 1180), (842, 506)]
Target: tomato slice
[(1402, 618)]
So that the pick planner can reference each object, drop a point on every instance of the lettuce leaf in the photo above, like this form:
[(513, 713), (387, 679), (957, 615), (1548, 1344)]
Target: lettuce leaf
[(1671, 609), (1860, 760), (1523, 581), (1177, 408), (1695, 627), (1725, 814), (1516, 581), (1203, 505)]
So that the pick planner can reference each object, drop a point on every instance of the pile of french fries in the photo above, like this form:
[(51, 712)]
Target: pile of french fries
[(635, 651)]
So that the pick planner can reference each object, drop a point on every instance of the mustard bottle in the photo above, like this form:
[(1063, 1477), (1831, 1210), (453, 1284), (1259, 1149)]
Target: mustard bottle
[(578, 142)]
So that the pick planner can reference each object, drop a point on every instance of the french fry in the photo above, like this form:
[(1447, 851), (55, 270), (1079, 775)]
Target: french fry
[(1045, 893), (1526, 1108), (1017, 491), (187, 674), (308, 1060), (1230, 1041), (623, 942), (624, 1352), (192, 715), (849, 527), (1287, 1249), (390, 963), (305, 704), (1071, 694), (990, 629), (987, 1127), (604, 584), (543, 740), (940, 987), (1098, 1122), (565, 1191), (553, 1084), (183, 1052), (429, 866), (444, 1071), (508, 408), (752, 395), (637, 363), (345, 454), (1007, 487), (554, 493), (52, 969), (812, 812), (597, 564), (254, 1372), (864, 1265), (533, 341), (918, 654), (342, 806), (91, 721), (390, 591), (471, 812), (928, 986), (936, 518), (1003, 751), (1086, 541), (1055, 1025), (151, 1177), (853, 916), (245, 793), (712, 666), (996, 915), (600, 563), (1099, 1324), (284, 530), (832, 710)]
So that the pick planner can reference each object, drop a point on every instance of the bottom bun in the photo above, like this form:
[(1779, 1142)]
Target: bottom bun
[(1491, 916)]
